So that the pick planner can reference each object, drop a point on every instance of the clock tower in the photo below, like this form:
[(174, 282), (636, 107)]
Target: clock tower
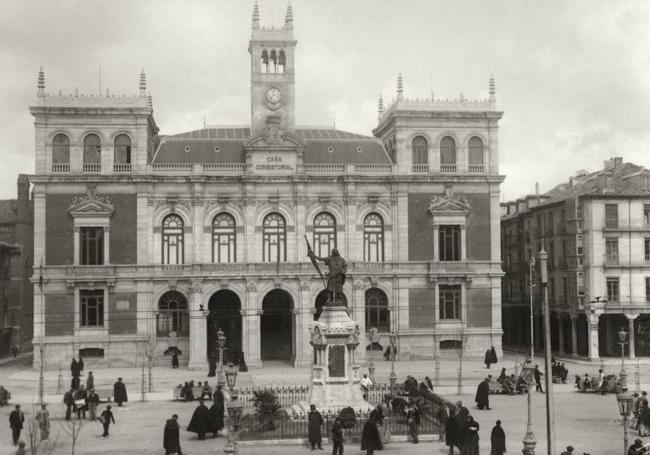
[(272, 51)]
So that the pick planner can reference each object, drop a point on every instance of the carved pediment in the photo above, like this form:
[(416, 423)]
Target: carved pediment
[(281, 139), (449, 203), (91, 204)]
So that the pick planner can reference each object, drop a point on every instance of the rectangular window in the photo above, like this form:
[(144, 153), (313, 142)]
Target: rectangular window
[(647, 289), (611, 251), (646, 249), (92, 308), (449, 296), (92, 246), (611, 216), (646, 214), (449, 243), (612, 290)]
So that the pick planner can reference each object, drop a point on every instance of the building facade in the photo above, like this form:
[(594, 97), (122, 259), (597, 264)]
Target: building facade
[(16, 256), (596, 231), (143, 235)]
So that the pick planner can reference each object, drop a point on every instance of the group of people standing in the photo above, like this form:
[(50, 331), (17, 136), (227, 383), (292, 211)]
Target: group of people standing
[(208, 420), (462, 431)]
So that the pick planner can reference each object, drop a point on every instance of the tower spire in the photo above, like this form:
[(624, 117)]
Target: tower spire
[(400, 87), (380, 106), (41, 82), (143, 84), (493, 90), (256, 16), (288, 18)]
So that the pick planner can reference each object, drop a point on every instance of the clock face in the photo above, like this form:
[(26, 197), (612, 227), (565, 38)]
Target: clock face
[(273, 96)]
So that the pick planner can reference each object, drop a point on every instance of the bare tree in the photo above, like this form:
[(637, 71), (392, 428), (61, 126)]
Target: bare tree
[(73, 429), (145, 359), (36, 445), (461, 348)]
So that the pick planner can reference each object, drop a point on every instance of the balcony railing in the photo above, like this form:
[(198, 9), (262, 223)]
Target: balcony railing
[(61, 168), (448, 168), (172, 168), (373, 168), (476, 168), (325, 168), (92, 168), (420, 168), (224, 168), (122, 168)]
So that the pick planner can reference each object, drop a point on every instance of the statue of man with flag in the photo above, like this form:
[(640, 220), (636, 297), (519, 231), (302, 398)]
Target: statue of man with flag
[(335, 276)]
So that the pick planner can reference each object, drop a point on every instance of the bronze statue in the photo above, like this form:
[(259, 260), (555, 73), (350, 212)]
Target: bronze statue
[(336, 274)]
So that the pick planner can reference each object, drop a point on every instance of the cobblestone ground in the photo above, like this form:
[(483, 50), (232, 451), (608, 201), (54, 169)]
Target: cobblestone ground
[(588, 422)]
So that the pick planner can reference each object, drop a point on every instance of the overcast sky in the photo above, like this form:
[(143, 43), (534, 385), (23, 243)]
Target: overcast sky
[(573, 77)]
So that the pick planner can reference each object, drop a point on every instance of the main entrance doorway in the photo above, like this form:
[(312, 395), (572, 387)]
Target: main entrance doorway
[(225, 314), (276, 326)]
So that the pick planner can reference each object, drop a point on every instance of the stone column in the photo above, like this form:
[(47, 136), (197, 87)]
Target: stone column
[(592, 335), (303, 315), (252, 341), (574, 335), (560, 333), (107, 245), (198, 329), (358, 313), (630, 333)]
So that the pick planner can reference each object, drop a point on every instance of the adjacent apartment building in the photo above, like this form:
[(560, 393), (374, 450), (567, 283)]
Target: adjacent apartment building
[(596, 231)]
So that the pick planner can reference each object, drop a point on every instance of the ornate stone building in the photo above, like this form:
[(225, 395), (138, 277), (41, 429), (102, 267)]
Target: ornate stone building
[(143, 234)]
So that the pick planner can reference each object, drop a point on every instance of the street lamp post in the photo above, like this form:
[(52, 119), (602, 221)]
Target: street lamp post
[(531, 266), (392, 377), (624, 408), (622, 340), (221, 345), (371, 364), (548, 372), (234, 410), (529, 440)]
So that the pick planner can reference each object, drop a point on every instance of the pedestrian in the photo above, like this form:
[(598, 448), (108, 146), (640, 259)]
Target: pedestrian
[(483, 395), (644, 420), (21, 448), (174, 360), (106, 418), (80, 402), (119, 392), (428, 383), (216, 412), (443, 418), (314, 422), (68, 400), (171, 436), (568, 451), (498, 439), (93, 402), (75, 382), (4, 396), (15, 350), (74, 367), (370, 440), (200, 421), (470, 437), (488, 359), (16, 420), (493, 355), (538, 379), (636, 448), (43, 419), (366, 383), (644, 398), (337, 437), (212, 365), (413, 420), (90, 381), (80, 365)]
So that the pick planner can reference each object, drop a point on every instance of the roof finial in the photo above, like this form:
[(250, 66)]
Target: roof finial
[(41, 82), (493, 90), (288, 18), (400, 87), (143, 84), (380, 106), (256, 16), (150, 101)]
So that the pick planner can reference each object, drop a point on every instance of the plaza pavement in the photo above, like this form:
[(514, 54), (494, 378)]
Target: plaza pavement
[(586, 421)]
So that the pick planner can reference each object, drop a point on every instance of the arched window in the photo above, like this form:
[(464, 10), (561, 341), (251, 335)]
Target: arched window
[(475, 157), (223, 238), (172, 240), (324, 234), (420, 150), (122, 149), (373, 238), (173, 315), (274, 62), (61, 149), (282, 62), (377, 313), (274, 238), (265, 61), (92, 149), (447, 154)]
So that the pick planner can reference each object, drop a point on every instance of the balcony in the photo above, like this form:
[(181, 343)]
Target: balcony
[(420, 168), (92, 168), (448, 168), (224, 168), (325, 169), (122, 168), (172, 168), (476, 169), (61, 168), (618, 227), (373, 168)]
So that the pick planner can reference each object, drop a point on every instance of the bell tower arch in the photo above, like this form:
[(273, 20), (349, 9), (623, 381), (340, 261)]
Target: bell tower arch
[(272, 51)]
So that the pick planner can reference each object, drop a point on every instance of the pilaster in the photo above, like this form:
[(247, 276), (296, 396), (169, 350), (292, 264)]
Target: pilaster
[(304, 352), (574, 335), (592, 337), (252, 340), (198, 329), (630, 333)]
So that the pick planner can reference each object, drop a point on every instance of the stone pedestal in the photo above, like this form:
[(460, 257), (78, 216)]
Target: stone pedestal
[(335, 379)]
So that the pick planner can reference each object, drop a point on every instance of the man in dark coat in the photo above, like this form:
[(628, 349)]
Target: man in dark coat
[(493, 355), (483, 395), (370, 440), (75, 382), (74, 367), (538, 379), (216, 412), (106, 419), (200, 421), (314, 422), (119, 392), (174, 361), (80, 365), (488, 359), (90, 381), (68, 400), (498, 439), (337, 437), (16, 420), (212, 363), (171, 436)]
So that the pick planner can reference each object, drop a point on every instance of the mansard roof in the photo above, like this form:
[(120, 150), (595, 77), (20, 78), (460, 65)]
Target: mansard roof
[(226, 145)]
